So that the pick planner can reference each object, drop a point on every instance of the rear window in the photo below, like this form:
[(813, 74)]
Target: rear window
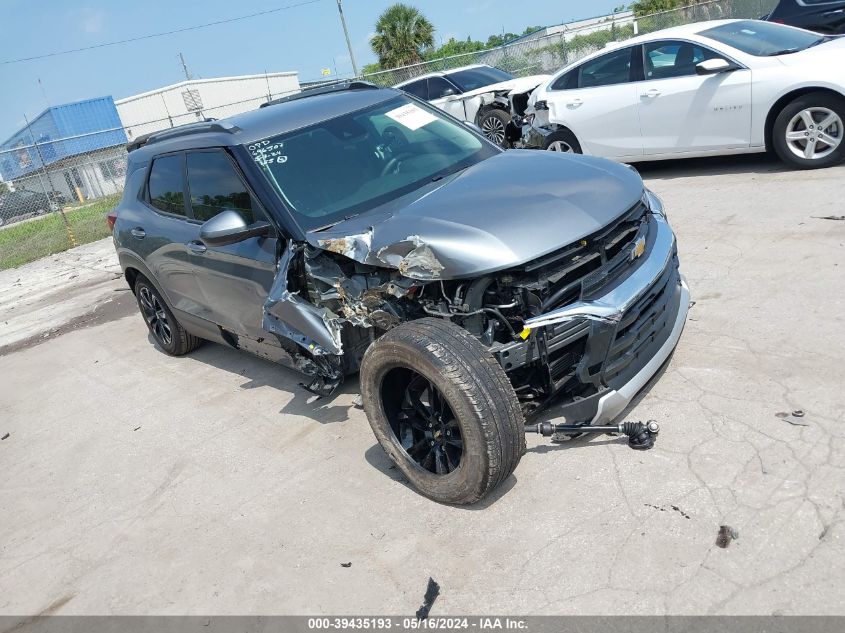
[(763, 39), (166, 191)]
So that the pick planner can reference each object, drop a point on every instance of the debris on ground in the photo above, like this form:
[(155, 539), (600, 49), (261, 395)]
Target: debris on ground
[(783, 415), (358, 401), (726, 535), (4, 437), (136, 428), (662, 509), (349, 564), (431, 593), (828, 217)]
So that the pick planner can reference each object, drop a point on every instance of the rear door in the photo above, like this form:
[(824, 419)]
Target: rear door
[(681, 111), (235, 279), (597, 101), (159, 230)]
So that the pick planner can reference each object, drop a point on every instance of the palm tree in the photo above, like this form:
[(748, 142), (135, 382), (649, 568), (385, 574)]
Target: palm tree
[(402, 32)]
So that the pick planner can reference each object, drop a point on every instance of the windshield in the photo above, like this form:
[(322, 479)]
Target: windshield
[(473, 78), (763, 39), (358, 161)]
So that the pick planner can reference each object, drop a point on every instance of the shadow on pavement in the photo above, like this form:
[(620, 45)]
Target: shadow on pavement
[(711, 166)]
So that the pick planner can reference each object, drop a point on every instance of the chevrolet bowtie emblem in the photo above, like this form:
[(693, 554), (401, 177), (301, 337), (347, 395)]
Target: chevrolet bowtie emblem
[(639, 248)]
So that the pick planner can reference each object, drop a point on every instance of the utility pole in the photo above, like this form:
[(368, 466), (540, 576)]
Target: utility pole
[(185, 67), (346, 33)]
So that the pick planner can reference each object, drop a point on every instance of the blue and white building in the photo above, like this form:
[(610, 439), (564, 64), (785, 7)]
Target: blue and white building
[(75, 150)]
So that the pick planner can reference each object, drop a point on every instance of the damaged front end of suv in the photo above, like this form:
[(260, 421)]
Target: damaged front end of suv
[(581, 328)]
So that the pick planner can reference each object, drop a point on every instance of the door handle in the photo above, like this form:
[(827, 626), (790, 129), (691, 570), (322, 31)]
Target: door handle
[(138, 232), (196, 247), (651, 94), (575, 103)]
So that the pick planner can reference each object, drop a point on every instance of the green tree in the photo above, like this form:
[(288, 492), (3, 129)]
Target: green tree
[(402, 36), (647, 7)]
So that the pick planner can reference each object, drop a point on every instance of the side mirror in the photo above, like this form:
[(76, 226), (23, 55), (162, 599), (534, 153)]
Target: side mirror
[(714, 66), (229, 227), (448, 92)]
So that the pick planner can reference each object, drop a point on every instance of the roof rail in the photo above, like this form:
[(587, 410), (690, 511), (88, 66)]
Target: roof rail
[(322, 90), (208, 125)]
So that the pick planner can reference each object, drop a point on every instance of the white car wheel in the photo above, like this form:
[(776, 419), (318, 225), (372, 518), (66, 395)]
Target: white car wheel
[(560, 146), (814, 133)]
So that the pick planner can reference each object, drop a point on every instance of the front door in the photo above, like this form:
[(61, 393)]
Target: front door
[(442, 93), (681, 111), (235, 279), (597, 102)]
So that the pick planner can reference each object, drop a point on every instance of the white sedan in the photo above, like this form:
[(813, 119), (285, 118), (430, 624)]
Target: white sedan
[(710, 88)]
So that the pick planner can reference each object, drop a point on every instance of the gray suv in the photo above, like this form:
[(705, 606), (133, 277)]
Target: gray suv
[(358, 229)]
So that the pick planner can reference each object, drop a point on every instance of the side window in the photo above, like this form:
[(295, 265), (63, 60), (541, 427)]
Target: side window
[(607, 70), (666, 59), (567, 81), (418, 89), (165, 187), (215, 186), (439, 87)]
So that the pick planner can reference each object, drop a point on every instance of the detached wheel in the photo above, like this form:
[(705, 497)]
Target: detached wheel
[(808, 133), (166, 330), (493, 124), (443, 409), (562, 141)]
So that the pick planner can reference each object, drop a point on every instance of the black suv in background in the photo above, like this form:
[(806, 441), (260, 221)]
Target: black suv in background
[(822, 16), (360, 228), (23, 203)]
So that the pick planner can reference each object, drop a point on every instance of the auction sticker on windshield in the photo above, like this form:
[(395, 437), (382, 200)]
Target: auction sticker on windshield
[(411, 116)]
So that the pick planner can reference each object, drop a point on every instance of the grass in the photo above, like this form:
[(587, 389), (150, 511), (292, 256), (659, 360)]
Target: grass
[(27, 241)]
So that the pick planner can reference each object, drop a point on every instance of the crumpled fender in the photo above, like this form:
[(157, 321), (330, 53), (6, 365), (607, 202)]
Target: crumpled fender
[(290, 316)]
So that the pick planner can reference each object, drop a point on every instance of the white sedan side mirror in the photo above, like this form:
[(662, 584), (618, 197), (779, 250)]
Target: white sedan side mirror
[(714, 66)]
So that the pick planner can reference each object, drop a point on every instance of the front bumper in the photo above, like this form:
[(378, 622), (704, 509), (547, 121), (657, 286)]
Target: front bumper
[(626, 334)]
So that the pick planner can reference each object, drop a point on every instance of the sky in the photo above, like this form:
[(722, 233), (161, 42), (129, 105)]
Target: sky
[(305, 38)]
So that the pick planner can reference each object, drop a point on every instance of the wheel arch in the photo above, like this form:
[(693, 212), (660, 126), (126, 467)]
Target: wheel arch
[(785, 100), (133, 267), (487, 107)]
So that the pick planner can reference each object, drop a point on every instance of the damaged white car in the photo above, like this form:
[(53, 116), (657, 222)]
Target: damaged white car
[(478, 94), (355, 229)]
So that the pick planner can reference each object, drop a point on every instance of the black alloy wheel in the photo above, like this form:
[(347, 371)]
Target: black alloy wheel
[(424, 424)]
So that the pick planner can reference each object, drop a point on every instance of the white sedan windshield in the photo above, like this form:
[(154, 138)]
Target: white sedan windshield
[(763, 39)]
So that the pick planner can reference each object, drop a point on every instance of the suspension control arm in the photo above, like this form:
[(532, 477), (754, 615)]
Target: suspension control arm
[(640, 436)]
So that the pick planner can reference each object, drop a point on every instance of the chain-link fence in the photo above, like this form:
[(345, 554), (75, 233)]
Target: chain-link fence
[(552, 48), (63, 171)]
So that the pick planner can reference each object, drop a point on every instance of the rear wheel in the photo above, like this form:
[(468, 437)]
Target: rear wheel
[(809, 132), (562, 141), (493, 124), (443, 410), (166, 330)]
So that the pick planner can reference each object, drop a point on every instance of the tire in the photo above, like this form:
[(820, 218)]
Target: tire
[(168, 333), (556, 141), (493, 124), (792, 120), (470, 389)]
